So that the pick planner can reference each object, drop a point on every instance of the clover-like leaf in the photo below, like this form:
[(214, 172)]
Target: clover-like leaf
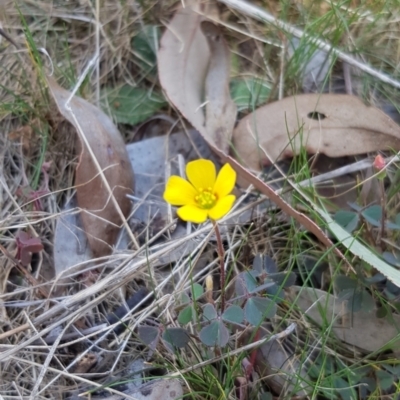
[(391, 258), (265, 286), (393, 369), (386, 379), (264, 264), (373, 215), (148, 334), (209, 312), (391, 290), (176, 337), (346, 392), (276, 294), (266, 396), (197, 291), (355, 207), (186, 315), (347, 220), (257, 309), (357, 299), (215, 334), (286, 279), (245, 283), (366, 385), (233, 314), (376, 278), (392, 226), (343, 282), (185, 299)]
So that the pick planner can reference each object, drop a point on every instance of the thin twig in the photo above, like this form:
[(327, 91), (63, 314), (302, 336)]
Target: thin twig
[(8, 37), (221, 255)]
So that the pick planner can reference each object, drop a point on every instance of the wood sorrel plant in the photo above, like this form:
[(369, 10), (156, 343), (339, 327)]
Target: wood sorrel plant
[(206, 195)]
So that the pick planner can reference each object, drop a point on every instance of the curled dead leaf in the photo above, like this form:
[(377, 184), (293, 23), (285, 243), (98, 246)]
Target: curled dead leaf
[(182, 64), (102, 152), (220, 108), (194, 59), (335, 125)]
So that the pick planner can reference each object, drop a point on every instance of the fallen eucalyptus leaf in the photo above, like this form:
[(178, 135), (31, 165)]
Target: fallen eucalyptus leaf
[(102, 152), (361, 329), (191, 63), (283, 371), (163, 388), (220, 108), (335, 125), (182, 62), (158, 389)]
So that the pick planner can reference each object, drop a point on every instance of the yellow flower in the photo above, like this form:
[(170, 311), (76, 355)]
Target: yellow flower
[(204, 195)]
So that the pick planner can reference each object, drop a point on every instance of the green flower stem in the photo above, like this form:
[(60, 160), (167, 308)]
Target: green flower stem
[(221, 254)]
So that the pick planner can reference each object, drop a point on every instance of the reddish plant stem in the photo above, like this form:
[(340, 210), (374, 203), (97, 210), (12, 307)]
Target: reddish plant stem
[(253, 356), (221, 254), (383, 204)]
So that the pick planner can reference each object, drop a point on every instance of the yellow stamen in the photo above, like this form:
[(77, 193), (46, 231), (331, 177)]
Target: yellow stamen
[(206, 199)]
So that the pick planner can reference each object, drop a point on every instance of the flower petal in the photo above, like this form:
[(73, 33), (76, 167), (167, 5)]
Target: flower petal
[(179, 191), (201, 173), (225, 182), (192, 213), (222, 207)]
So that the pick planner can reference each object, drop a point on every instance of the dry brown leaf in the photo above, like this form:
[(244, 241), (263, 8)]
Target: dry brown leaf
[(102, 218), (220, 108), (185, 69), (182, 64), (335, 125), (86, 363), (282, 370), (361, 329)]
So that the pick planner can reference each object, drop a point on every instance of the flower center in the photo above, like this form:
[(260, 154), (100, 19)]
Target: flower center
[(206, 198)]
